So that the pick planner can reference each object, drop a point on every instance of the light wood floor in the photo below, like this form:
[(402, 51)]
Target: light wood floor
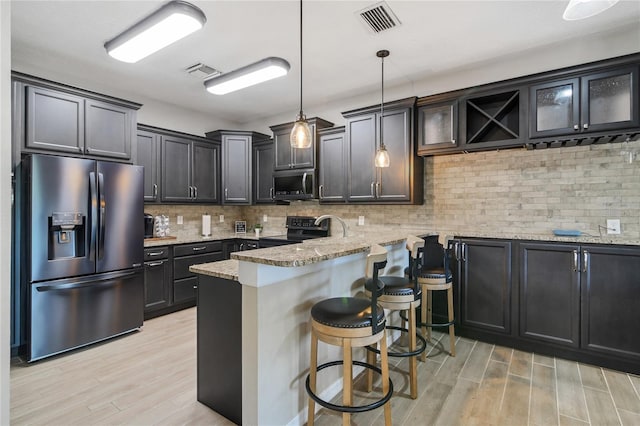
[(148, 378)]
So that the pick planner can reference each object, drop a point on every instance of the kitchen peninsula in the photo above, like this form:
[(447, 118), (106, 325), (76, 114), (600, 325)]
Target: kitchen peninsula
[(258, 305)]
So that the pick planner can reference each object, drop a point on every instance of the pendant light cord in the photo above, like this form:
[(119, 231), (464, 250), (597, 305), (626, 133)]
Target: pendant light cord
[(382, 107), (300, 58)]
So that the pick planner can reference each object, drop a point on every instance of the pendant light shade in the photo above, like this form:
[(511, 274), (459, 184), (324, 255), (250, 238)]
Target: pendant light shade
[(382, 155), (170, 23), (301, 132), (258, 72), (581, 9)]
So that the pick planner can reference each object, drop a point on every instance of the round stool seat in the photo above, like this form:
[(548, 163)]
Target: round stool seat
[(436, 274), (345, 312), (398, 286)]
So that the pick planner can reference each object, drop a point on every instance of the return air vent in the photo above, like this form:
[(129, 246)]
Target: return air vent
[(379, 17), (202, 71)]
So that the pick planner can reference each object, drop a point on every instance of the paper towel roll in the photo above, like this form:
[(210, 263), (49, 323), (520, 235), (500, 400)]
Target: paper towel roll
[(206, 225)]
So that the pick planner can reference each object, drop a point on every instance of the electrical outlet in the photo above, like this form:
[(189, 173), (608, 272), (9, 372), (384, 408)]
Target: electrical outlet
[(613, 226), (180, 220), (360, 220), (221, 218), (265, 218)]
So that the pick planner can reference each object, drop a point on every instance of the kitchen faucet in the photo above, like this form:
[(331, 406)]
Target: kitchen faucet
[(327, 216)]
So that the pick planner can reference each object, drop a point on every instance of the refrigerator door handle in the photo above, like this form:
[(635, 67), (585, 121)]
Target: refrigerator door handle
[(103, 208), (94, 215), (83, 283)]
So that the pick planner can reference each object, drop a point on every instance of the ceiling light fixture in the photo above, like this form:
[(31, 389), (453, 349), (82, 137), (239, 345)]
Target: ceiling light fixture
[(581, 9), (382, 155), (258, 72), (170, 23), (301, 132)]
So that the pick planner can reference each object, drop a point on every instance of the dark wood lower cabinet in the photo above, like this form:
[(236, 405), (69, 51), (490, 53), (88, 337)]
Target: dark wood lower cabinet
[(484, 282), (574, 301), (610, 316), (550, 293), (219, 346)]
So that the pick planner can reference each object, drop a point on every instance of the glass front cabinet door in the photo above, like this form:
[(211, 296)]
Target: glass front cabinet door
[(437, 127), (591, 103)]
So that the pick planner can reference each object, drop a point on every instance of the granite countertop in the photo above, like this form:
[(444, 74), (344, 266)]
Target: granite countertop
[(320, 249), (227, 269), (215, 236)]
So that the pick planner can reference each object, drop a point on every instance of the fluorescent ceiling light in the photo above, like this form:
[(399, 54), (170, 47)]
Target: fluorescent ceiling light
[(258, 72), (581, 9), (170, 23)]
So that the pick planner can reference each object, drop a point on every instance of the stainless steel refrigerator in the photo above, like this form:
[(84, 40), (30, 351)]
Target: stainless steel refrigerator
[(85, 252)]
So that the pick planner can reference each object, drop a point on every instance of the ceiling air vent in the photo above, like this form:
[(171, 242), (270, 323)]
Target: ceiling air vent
[(202, 71), (379, 17)]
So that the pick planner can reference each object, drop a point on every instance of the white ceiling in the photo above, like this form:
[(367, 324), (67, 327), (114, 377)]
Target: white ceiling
[(435, 37)]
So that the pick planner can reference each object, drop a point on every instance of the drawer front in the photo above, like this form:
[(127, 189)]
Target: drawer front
[(185, 290), (199, 248), (181, 265), (156, 253)]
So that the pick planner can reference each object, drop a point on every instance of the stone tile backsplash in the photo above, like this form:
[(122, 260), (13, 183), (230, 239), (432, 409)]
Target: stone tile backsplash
[(514, 191)]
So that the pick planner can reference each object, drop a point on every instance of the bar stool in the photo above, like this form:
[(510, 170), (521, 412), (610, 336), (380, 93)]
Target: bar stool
[(435, 278), (351, 322), (404, 294)]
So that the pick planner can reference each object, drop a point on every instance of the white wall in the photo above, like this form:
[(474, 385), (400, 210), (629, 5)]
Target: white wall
[(5, 207), (564, 53)]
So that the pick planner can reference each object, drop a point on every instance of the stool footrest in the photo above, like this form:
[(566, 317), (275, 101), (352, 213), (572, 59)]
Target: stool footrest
[(421, 348), (426, 324), (351, 409)]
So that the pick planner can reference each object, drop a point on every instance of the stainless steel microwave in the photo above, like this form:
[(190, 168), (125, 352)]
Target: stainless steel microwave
[(295, 184)]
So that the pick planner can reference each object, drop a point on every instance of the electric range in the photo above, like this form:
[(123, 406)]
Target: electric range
[(299, 228)]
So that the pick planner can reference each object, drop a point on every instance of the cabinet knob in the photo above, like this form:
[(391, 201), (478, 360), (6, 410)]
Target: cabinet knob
[(576, 127), (585, 126)]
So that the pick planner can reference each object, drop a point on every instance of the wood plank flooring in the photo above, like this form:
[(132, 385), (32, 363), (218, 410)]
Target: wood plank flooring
[(149, 378)]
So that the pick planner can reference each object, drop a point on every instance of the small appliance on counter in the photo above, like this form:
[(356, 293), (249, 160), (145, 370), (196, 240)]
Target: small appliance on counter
[(148, 225)]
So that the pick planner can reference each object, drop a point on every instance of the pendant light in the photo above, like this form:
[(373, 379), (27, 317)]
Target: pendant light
[(301, 133), (382, 156), (170, 23)]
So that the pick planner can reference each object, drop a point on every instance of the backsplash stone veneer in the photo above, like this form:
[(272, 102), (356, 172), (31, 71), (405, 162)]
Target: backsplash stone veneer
[(513, 191), (192, 217)]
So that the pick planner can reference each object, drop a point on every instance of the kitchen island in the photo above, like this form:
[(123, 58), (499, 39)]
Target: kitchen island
[(261, 314)]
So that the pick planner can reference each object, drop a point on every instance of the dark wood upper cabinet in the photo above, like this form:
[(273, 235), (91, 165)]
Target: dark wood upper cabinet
[(263, 159), (148, 156), (206, 172), (177, 163), (438, 126), (593, 102), (401, 182), (236, 159), (332, 172), (59, 119), (286, 157)]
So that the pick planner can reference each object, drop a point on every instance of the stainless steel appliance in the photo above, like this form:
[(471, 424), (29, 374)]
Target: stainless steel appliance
[(84, 252), (148, 225), (299, 228), (294, 185)]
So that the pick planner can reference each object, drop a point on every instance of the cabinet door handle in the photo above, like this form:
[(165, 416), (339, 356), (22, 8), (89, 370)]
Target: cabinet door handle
[(372, 194), (585, 126), (576, 127), (271, 193), (575, 260), (199, 248), (456, 253), (226, 193), (304, 183), (195, 287), (585, 260), (155, 190), (453, 141), (464, 252), (158, 263), (377, 189), (155, 253), (321, 191), (195, 192)]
